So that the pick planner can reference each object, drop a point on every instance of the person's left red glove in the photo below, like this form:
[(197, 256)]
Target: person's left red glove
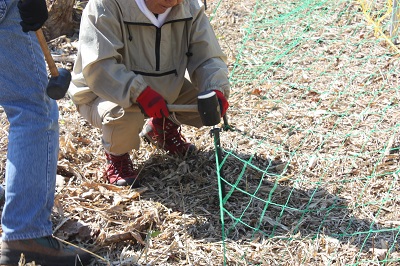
[(223, 103), (152, 103)]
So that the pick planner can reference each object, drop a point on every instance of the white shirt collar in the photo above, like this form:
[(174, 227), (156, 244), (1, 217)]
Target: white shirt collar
[(159, 21)]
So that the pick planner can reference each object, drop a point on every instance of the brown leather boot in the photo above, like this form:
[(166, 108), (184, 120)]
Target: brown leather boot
[(45, 251), (166, 135), (119, 171)]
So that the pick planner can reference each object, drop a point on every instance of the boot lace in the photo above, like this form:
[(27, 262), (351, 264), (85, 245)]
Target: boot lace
[(120, 165)]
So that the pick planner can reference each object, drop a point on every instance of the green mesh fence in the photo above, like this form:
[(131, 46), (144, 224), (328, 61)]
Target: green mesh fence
[(310, 166)]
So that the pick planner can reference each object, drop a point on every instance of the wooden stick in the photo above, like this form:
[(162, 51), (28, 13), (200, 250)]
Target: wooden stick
[(175, 108), (49, 59)]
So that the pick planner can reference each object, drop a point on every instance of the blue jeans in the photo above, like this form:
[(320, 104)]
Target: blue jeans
[(33, 133)]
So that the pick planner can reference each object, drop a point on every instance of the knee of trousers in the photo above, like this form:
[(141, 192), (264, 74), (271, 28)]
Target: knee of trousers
[(190, 119), (121, 128)]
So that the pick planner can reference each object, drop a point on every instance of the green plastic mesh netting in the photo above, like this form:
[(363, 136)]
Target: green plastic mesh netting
[(311, 163)]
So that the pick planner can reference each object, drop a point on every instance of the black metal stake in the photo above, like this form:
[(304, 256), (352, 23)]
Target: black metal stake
[(215, 132)]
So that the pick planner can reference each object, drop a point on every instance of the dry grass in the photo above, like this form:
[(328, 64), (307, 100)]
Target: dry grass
[(317, 129)]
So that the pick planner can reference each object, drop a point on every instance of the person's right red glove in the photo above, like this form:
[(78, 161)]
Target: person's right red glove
[(152, 103), (223, 103)]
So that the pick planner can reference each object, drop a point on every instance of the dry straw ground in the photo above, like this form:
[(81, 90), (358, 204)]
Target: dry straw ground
[(174, 218)]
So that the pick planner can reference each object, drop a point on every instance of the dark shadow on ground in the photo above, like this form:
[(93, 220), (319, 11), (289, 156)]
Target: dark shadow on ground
[(256, 204)]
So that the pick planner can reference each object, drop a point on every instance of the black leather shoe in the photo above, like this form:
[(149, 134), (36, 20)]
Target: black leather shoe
[(46, 251)]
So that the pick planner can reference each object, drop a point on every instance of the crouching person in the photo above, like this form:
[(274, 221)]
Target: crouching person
[(136, 53)]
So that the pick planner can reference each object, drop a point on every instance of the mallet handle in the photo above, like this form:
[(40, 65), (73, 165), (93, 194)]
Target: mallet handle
[(49, 59), (192, 108)]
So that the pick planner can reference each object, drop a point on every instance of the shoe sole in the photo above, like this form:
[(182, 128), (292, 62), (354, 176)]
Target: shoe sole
[(12, 258)]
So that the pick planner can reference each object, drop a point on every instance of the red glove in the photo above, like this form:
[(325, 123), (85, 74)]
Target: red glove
[(223, 103), (152, 103)]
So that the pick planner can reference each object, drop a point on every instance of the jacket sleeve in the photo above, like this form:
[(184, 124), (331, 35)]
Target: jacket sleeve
[(207, 65), (101, 64)]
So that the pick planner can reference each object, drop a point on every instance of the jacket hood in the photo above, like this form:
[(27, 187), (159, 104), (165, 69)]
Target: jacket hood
[(177, 13)]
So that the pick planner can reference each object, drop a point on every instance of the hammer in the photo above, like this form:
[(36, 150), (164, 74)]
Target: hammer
[(208, 108), (60, 77), (210, 114)]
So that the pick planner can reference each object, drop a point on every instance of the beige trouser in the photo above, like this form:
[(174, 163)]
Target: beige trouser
[(121, 127)]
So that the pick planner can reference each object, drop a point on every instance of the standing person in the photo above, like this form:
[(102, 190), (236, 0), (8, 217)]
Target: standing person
[(32, 142), (136, 53)]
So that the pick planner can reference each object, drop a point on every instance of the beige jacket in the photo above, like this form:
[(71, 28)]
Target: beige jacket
[(121, 52)]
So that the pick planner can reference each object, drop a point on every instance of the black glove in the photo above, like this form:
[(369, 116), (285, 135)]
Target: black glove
[(33, 14)]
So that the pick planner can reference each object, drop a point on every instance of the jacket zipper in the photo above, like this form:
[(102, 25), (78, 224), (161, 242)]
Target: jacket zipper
[(158, 47), (158, 39)]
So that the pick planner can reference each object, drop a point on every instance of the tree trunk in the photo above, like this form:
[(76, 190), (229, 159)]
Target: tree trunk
[(60, 21)]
